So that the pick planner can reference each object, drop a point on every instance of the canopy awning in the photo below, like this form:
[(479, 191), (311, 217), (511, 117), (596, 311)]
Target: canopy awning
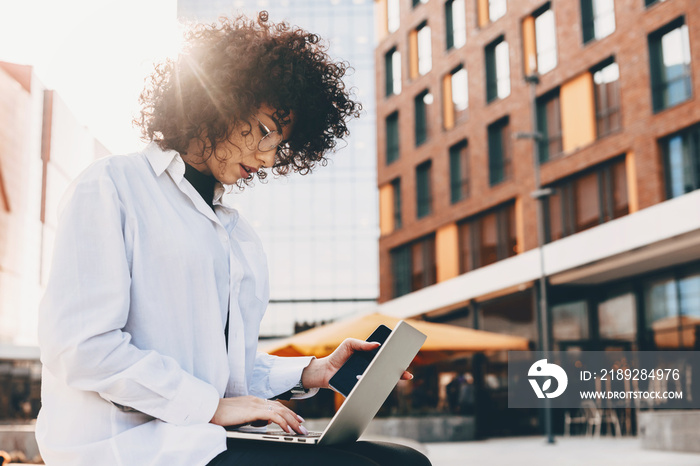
[(444, 341)]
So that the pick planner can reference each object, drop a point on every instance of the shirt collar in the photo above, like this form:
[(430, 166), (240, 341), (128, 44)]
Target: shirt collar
[(169, 161), (219, 191)]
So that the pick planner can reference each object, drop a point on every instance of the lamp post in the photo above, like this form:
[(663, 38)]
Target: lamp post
[(540, 195)]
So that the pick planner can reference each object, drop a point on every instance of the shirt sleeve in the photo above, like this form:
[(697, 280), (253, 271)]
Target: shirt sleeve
[(85, 308), (274, 375)]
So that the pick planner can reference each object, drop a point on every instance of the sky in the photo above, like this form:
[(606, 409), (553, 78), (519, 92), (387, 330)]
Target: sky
[(94, 53)]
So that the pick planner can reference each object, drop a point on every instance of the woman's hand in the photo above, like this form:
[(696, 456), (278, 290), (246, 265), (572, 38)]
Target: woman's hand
[(319, 372), (243, 410)]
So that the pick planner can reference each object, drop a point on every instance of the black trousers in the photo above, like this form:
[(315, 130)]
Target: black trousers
[(245, 452)]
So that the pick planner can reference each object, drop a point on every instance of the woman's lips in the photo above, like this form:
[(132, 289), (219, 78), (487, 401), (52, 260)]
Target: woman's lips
[(246, 171)]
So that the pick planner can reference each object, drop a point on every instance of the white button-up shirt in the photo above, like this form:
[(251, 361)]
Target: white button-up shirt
[(144, 276)]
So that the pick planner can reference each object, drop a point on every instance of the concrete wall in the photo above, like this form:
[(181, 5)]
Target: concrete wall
[(674, 430), (19, 438), (21, 103), (42, 148)]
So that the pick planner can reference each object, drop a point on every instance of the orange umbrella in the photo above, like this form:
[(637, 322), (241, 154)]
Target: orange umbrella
[(444, 341)]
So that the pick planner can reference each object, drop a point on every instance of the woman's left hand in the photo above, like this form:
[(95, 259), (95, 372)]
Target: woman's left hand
[(319, 372)]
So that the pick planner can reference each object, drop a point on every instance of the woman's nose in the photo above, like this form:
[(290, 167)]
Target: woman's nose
[(267, 158)]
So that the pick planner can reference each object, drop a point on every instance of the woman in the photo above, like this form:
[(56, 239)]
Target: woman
[(149, 325)]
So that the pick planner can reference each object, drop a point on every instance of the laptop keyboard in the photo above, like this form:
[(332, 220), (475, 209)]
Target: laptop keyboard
[(283, 433)]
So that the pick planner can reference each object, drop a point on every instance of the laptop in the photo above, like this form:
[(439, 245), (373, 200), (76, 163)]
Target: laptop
[(365, 399)]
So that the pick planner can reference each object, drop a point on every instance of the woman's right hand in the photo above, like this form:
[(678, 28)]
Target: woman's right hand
[(241, 410)]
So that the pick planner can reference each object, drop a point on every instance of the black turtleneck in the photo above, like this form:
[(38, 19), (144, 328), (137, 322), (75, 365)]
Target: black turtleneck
[(204, 184)]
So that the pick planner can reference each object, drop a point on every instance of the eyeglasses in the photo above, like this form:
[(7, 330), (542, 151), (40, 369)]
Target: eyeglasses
[(271, 139)]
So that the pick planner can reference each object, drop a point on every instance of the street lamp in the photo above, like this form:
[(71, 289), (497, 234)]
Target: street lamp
[(540, 195)]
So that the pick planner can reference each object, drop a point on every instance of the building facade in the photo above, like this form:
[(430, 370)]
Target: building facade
[(42, 148), (21, 110), (320, 232), (610, 89)]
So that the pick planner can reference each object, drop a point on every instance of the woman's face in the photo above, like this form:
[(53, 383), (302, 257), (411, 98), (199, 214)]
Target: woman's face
[(240, 157)]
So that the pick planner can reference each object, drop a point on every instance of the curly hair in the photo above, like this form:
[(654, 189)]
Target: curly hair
[(226, 71)]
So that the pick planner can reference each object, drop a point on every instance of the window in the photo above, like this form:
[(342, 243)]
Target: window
[(456, 97), (420, 52), (497, 8), (614, 192), (669, 58), (545, 41), (425, 60), (423, 190), (488, 11), (455, 24), (390, 207), (513, 314), (587, 200), (681, 152), (617, 317), (423, 263), (672, 309), (587, 205), (460, 94), (396, 189), (496, 236), (421, 102), (549, 126), (487, 238), (392, 137), (413, 266), (598, 19), (392, 14), (401, 270), (570, 321), (499, 151), (392, 67), (459, 171), (466, 262), (606, 85), (497, 70)]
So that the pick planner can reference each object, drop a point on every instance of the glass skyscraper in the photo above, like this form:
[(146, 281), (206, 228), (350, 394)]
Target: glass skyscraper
[(320, 231)]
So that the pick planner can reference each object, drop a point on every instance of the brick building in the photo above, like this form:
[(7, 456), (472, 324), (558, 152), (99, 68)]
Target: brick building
[(615, 103)]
